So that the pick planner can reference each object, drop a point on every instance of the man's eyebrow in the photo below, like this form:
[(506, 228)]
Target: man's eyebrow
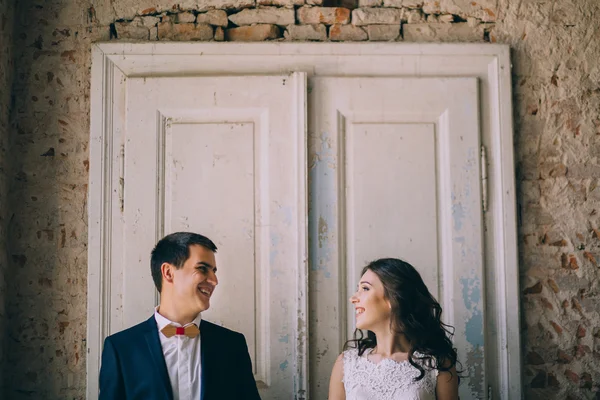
[(205, 264)]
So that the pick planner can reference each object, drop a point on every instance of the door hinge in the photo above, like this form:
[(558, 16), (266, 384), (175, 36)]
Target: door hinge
[(122, 178), (484, 180)]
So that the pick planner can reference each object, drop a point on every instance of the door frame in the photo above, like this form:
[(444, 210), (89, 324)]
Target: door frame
[(113, 63)]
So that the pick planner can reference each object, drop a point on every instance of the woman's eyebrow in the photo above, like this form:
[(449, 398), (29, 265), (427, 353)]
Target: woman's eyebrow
[(368, 283)]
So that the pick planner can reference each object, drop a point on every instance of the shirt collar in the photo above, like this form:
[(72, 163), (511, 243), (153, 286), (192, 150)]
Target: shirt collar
[(161, 321)]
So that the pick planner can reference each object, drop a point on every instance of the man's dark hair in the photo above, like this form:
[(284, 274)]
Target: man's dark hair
[(175, 250)]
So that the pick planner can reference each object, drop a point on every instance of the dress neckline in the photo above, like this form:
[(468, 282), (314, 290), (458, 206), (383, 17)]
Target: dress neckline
[(366, 354)]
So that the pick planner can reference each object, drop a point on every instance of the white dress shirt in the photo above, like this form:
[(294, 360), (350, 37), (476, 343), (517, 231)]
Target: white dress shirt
[(182, 356)]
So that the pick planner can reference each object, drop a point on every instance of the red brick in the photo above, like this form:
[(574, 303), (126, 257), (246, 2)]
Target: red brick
[(552, 381), (564, 260), (254, 33), (564, 358), (590, 257), (572, 376), (535, 289), (553, 285), (306, 32), (539, 381), (219, 34), (377, 16), (169, 31), (576, 304), (383, 32), (323, 15), (569, 261), (586, 380), (581, 350), (339, 33), (546, 303), (148, 11), (534, 358), (264, 15), (556, 327)]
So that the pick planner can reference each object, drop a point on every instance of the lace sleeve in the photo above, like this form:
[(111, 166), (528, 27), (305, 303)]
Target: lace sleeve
[(348, 358)]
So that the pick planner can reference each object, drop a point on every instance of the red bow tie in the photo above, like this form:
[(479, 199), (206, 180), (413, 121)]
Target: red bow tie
[(190, 331)]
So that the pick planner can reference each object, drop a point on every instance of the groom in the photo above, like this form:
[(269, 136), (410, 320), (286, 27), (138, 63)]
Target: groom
[(175, 354)]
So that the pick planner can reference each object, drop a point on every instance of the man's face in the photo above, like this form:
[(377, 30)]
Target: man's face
[(194, 283)]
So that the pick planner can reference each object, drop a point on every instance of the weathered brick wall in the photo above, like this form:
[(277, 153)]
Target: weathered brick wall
[(243, 20), (6, 72), (556, 83), (556, 78)]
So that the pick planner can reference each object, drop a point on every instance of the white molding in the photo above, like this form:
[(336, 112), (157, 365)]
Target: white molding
[(104, 210), (507, 228), (97, 202), (302, 368), (489, 62), (342, 223)]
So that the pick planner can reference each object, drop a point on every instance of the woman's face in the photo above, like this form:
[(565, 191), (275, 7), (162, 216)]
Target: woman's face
[(373, 310)]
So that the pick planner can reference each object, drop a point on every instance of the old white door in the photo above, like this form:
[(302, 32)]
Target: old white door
[(394, 170), (224, 157), (394, 166)]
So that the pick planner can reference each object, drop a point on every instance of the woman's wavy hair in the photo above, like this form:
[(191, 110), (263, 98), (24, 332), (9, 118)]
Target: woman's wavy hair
[(415, 313)]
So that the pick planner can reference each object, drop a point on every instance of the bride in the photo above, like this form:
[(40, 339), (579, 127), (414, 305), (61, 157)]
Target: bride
[(407, 353)]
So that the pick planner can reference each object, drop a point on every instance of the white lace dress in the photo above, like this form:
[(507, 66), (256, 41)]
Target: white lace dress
[(386, 380)]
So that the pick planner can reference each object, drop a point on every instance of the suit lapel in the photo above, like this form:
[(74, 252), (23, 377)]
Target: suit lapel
[(155, 349), (207, 359)]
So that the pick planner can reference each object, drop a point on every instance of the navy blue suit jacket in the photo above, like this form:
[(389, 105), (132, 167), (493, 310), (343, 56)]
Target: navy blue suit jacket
[(133, 366)]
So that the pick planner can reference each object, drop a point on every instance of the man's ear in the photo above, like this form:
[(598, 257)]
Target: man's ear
[(167, 271)]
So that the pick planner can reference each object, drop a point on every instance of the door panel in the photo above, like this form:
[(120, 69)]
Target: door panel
[(209, 187), (224, 157), (394, 172), (383, 195)]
